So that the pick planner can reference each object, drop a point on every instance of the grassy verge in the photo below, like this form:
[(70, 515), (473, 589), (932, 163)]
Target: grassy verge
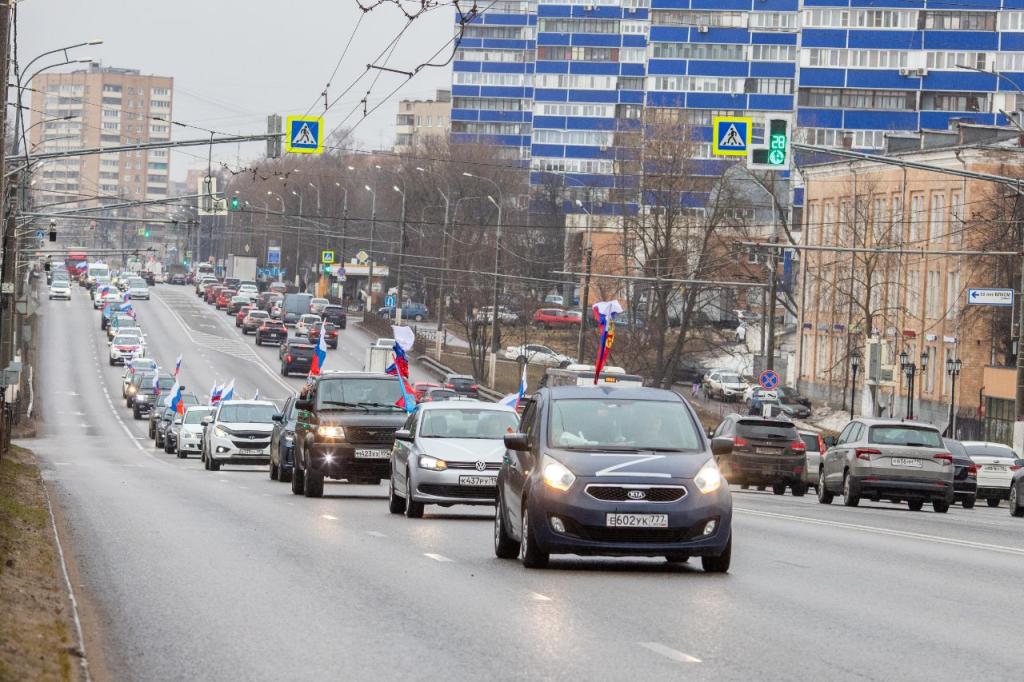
[(36, 638)]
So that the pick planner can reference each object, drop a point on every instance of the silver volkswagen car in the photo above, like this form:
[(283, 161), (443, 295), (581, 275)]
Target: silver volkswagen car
[(448, 453)]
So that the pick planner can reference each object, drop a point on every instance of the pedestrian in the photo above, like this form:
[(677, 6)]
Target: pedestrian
[(695, 389)]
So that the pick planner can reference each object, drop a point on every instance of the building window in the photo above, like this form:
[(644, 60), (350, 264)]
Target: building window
[(937, 221), (773, 20), (952, 293), (914, 293), (931, 295), (773, 53), (917, 217), (957, 21)]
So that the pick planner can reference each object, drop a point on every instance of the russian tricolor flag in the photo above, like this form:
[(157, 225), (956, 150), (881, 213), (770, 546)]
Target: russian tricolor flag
[(177, 404), (319, 353)]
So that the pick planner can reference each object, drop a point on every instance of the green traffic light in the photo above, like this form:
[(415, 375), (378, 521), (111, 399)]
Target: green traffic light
[(235, 204)]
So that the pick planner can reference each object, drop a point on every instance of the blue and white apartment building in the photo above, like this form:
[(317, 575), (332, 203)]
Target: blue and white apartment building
[(552, 81)]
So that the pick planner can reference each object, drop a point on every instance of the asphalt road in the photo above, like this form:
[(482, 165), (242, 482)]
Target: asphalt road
[(190, 574)]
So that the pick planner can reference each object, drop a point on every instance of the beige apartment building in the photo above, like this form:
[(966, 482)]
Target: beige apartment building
[(876, 306), (107, 107), (419, 119)]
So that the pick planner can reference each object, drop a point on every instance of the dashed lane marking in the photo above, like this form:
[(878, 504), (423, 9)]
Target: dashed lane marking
[(437, 557), (537, 596), (376, 533), (667, 652), (328, 517)]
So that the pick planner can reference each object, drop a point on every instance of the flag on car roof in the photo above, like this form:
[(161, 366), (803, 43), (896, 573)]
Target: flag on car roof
[(404, 339), (177, 404), (319, 353), (513, 399), (604, 313), (215, 392), (229, 391), (256, 395), (177, 367)]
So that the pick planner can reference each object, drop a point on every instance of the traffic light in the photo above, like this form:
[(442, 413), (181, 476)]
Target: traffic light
[(775, 152), (236, 204), (53, 230), (146, 233)]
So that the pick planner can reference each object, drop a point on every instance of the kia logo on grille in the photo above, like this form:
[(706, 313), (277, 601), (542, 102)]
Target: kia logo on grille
[(480, 466), (636, 494)]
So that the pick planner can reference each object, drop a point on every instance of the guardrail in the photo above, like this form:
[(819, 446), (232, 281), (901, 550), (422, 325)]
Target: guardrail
[(439, 369)]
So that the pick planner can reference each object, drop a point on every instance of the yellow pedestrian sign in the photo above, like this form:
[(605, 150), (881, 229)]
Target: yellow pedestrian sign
[(327, 257), (730, 135), (304, 135)]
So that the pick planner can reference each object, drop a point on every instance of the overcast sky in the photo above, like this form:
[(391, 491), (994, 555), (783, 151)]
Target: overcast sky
[(235, 61)]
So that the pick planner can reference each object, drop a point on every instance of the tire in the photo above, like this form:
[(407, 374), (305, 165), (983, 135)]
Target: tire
[(111, 361), (206, 462), (967, 503), (158, 441), (824, 496), (284, 475), (778, 488), (761, 488), (298, 481), (284, 371), (993, 501), (314, 484), (940, 506), (915, 505), (180, 454), (720, 563), (505, 547), (851, 496), (135, 413), (396, 503), (214, 464), (744, 486), (677, 558), (530, 552), (151, 431), (413, 509), (168, 448), (273, 471), (1015, 507), (799, 489), (258, 342)]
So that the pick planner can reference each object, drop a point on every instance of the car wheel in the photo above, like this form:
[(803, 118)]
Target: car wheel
[(1015, 507), (413, 509), (521, 359), (314, 484), (915, 505), (284, 371), (993, 501), (180, 454), (418, 318), (284, 475), (851, 496), (396, 503), (151, 432), (214, 464), (744, 486), (206, 462), (760, 488), (158, 440), (136, 414), (677, 558), (168, 447), (530, 552), (967, 503), (258, 343), (298, 481), (779, 488), (273, 471), (940, 506), (505, 547), (799, 489), (824, 497), (720, 563)]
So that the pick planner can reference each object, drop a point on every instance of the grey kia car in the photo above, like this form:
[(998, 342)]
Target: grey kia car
[(448, 452), (888, 459)]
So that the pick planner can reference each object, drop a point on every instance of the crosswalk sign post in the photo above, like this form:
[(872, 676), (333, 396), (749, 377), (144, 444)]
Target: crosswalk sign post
[(730, 135), (304, 135), (327, 257)]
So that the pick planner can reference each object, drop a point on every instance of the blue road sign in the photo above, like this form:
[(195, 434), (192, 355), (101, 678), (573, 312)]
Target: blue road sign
[(997, 297), (730, 135), (274, 255), (304, 135), (389, 301), (768, 379)]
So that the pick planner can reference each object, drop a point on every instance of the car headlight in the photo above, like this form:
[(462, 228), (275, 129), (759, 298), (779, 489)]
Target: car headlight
[(330, 431), (433, 463), (131, 390), (557, 475), (220, 433), (709, 478), (141, 398)]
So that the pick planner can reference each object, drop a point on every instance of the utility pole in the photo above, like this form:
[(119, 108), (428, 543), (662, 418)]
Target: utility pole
[(7, 272), (585, 294), (401, 261), (494, 298), (444, 271), (373, 228)]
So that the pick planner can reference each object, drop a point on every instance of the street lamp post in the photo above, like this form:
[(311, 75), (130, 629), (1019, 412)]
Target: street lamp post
[(854, 366), (909, 369), (585, 297), (298, 240), (280, 231), (373, 227), (953, 368), (494, 291), (401, 260), (319, 244), (920, 389)]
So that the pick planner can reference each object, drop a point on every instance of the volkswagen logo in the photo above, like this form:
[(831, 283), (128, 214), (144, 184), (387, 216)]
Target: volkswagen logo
[(636, 494), (480, 466)]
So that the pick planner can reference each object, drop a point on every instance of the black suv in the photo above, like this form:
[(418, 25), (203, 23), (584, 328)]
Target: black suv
[(146, 395), (296, 356), (463, 384), (334, 314), (344, 429), (767, 451)]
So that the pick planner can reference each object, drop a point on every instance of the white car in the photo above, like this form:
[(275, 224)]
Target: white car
[(317, 305), (60, 288), (125, 347), (248, 289), (137, 288), (190, 432), (305, 323), (996, 465), (112, 296), (238, 433), (726, 385), (536, 354)]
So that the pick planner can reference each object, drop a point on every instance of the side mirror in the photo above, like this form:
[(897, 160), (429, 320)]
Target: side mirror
[(403, 435), (711, 433), (279, 417), (721, 446), (517, 441), (830, 441), (177, 421), (304, 404), (207, 420)]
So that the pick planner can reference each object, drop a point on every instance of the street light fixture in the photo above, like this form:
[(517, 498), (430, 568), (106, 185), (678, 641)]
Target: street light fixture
[(497, 265), (953, 368)]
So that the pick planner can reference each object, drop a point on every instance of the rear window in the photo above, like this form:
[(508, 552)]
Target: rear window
[(990, 451), (766, 429), (909, 436), (460, 381), (810, 441), (301, 351)]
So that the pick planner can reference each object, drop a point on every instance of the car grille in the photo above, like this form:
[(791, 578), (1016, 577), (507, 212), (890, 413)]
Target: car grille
[(365, 435), (488, 466), (634, 535), (620, 493), (251, 444), (466, 492)]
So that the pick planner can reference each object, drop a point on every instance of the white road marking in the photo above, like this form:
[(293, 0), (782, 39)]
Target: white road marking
[(677, 656), (242, 487), (65, 464), (537, 596), (328, 517), (376, 533), (437, 557), (1017, 551)]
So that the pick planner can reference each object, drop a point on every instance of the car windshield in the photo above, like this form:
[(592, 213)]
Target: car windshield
[(247, 413), (196, 416), (137, 283), (141, 378), (482, 424), (766, 428), (730, 378), (350, 392), (910, 436), (611, 424), (125, 339)]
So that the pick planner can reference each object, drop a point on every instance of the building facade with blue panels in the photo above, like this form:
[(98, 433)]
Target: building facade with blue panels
[(554, 81)]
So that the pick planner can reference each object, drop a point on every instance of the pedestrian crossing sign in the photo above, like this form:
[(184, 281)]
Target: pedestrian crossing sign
[(304, 135), (730, 135)]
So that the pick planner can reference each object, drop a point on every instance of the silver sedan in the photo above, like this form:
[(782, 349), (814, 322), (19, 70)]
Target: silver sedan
[(448, 453)]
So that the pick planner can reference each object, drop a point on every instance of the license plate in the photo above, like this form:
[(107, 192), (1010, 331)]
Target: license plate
[(993, 467), (373, 454), (250, 451), (636, 520), (906, 462), (478, 480), (766, 451)]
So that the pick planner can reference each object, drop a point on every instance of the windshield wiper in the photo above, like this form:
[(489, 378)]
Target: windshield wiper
[(340, 403), (365, 404)]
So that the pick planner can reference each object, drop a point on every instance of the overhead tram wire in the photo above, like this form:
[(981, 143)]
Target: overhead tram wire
[(337, 66)]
